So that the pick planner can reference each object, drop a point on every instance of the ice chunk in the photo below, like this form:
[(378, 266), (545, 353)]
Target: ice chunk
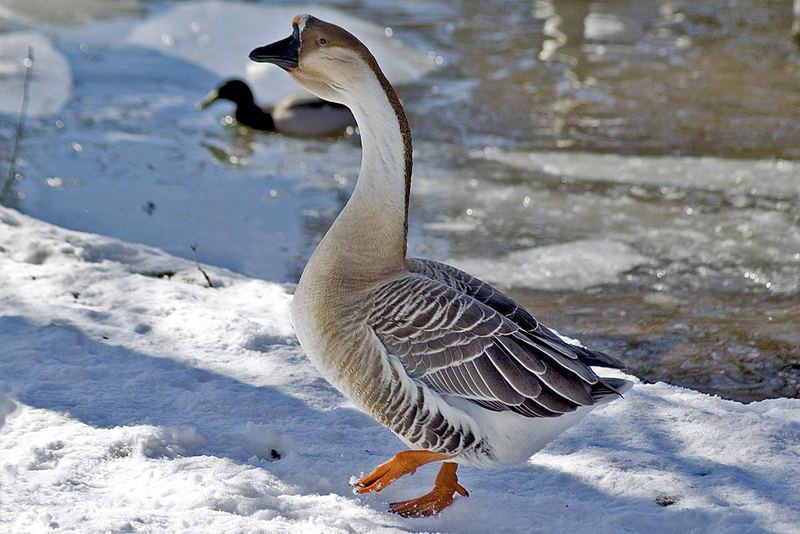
[(574, 265), (599, 26), (768, 177)]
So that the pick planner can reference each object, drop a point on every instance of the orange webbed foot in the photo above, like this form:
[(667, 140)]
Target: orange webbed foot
[(402, 463), (382, 476), (439, 498)]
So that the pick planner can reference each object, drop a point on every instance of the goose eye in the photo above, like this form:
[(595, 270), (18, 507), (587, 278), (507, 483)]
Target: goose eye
[(322, 41)]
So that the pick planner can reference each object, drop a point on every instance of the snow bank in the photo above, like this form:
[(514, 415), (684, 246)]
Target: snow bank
[(219, 36), (135, 398)]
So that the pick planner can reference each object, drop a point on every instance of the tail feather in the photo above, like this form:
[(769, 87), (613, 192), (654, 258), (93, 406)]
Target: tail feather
[(601, 359), (609, 389), (587, 356)]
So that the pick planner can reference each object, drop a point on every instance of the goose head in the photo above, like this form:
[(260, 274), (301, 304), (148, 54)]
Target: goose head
[(234, 90), (325, 59)]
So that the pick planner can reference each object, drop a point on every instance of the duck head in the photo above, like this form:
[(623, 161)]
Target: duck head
[(236, 91), (325, 59)]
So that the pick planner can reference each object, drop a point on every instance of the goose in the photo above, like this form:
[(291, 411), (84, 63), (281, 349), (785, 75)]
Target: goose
[(461, 373), (300, 115)]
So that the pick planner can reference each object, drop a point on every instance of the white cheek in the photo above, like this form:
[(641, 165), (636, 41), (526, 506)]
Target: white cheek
[(314, 85), (335, 74)]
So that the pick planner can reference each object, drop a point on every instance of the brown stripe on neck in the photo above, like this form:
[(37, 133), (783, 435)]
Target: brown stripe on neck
[(337, 36), (405, 131)]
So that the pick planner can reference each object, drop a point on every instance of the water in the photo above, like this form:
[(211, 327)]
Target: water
[(629, 170)]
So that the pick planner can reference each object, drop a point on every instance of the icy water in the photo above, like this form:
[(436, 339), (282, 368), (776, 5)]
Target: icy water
[(629, 170)]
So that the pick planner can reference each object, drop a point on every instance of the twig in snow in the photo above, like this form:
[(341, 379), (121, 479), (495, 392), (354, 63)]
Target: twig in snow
[(194, 253), (12, 168)]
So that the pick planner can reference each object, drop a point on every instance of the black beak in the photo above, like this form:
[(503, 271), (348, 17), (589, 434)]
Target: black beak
[(284, 53)]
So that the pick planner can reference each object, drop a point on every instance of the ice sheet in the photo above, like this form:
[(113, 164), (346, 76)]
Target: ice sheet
[(570, 266)]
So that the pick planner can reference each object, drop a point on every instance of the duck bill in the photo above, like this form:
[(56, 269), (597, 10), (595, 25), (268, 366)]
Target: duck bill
[(284, 53), (209, 99)]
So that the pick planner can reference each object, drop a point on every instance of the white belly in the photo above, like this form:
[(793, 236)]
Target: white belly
[(514, 438)]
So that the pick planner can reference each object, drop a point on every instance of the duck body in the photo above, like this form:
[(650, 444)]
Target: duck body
[(301, 115), (456, 369), (304, 115)]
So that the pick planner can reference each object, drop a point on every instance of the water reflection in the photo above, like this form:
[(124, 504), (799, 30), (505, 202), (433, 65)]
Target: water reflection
[(236, 149), (627, 76)]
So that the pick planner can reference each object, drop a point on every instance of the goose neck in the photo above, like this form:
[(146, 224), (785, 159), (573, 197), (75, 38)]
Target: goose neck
[(373, 226)]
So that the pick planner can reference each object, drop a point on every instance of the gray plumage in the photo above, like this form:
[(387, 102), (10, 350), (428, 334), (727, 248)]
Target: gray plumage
[(464, 338)]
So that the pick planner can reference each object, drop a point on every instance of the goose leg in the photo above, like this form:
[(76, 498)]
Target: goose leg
[(442, 495), (402, 463)]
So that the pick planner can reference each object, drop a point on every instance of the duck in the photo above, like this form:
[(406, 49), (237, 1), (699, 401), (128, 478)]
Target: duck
[(301, 115), (457, 370)]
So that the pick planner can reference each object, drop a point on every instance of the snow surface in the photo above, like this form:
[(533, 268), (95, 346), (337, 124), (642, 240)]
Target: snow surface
[(134, 398)]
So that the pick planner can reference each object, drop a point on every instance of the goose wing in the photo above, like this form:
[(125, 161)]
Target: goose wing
[(460, 346), (495, 299)]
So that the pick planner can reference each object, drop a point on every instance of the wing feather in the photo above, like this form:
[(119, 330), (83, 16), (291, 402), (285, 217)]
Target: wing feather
[(464, 338), (496, 300), (523, 381)]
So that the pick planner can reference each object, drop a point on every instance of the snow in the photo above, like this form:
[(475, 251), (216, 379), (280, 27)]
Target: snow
[(218, 36), (134, 398)]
